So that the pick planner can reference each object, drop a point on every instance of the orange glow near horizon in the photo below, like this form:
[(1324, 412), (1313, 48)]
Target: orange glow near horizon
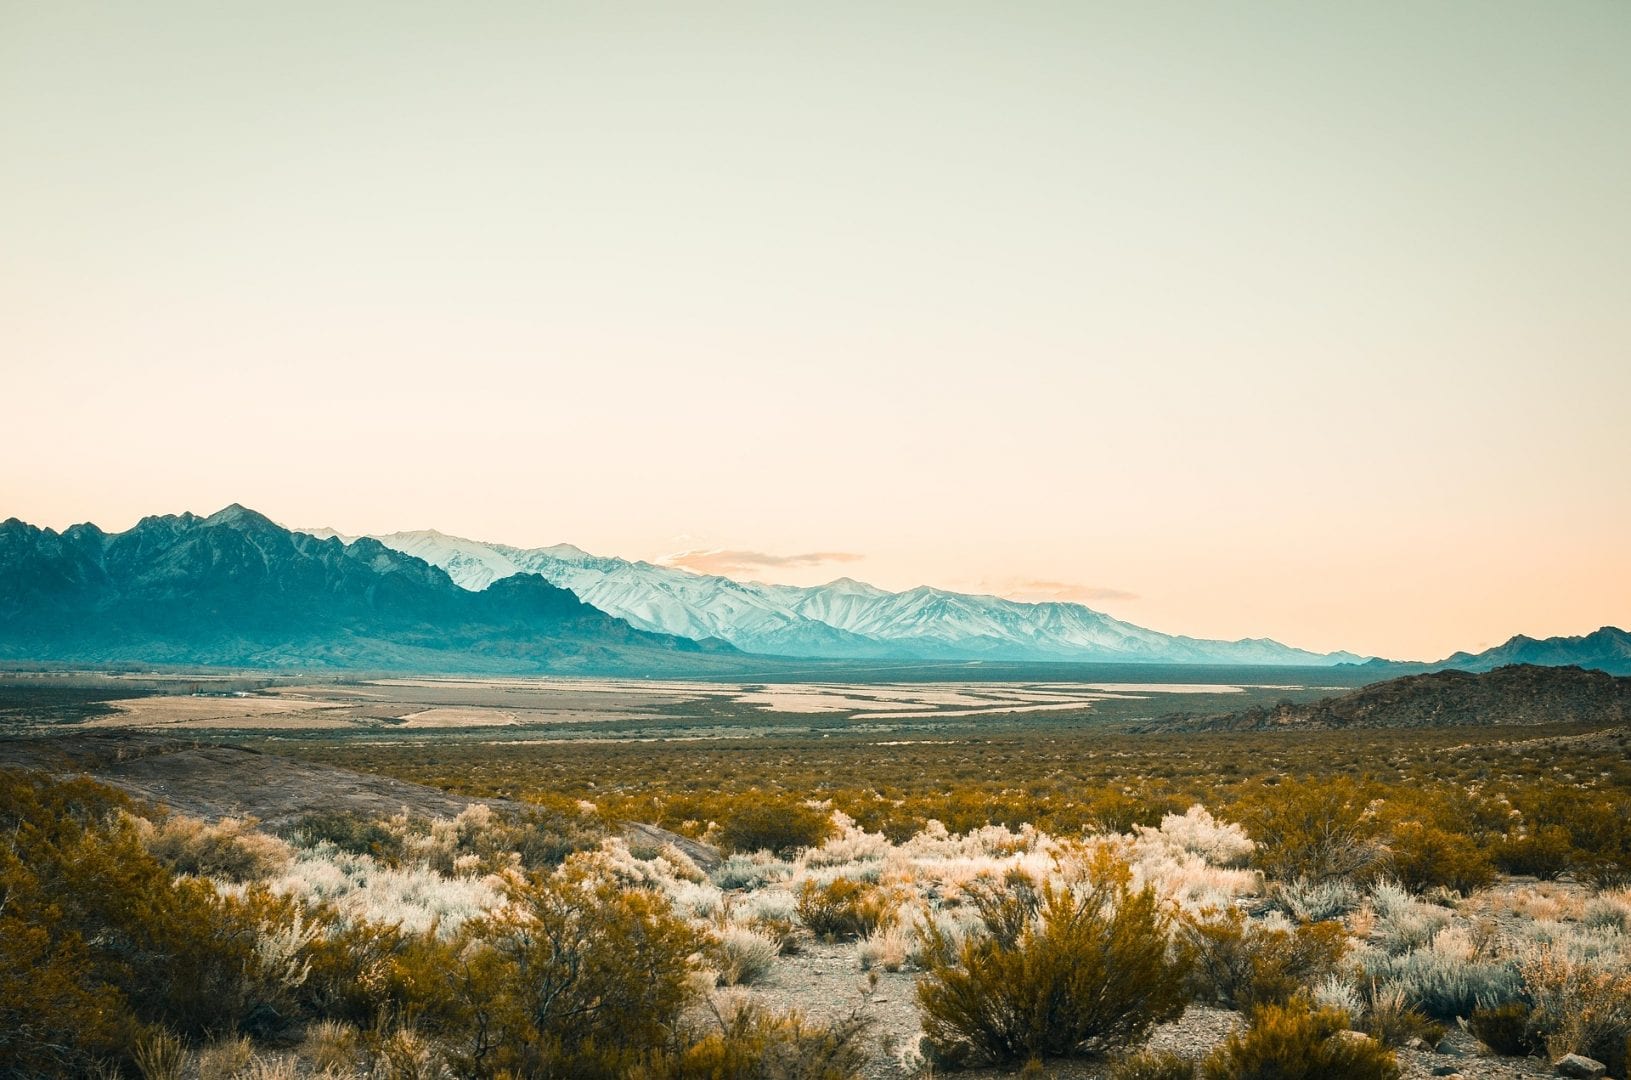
[(1293, 324)]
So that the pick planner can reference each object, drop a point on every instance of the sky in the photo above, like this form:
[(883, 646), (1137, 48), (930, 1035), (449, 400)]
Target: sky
[(1308, 321)]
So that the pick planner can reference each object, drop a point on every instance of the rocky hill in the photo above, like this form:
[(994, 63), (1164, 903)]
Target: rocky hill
[(1518, 695)]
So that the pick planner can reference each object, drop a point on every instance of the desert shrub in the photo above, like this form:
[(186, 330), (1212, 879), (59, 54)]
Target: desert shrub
[(1392, 1020), (1243, 963), (1316, 830), (1600, 870), (1309, 901), (403, 1053), (230, 849), (1544, 853), (1152, 1065), (841, 908), (357, 888), (159, 1055), (1422, 857), (225, 1058), (1403, 922), (360, 971), (888, 946), (1599, 828), (742, 955), (331, 1047), (1198, 832), (351, 833), (275, 1068), (1078, 969), (1337, 992), (1612, 913), (98, 937), (750, 870), (543, 836), (1295, 1042), (1506, 1029), (578, 977), (750, 1042), (1442, 984), (779, 825), (1413, 926), (1581, 1006)]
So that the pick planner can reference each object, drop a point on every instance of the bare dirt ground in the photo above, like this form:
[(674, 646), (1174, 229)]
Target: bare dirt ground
[(212, 781), (270, 703)]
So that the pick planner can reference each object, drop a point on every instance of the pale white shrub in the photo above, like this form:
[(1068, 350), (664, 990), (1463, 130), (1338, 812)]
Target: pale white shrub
[(933, 841), (890, 945), (745, 956), (1611, 911), (1338, 992), (1442, 984), (413, 897), (1604, 946), (613, 860), (869, 871), (1412, 928), (696, 901), (682, 865), (849, 844), (1198, 832), (279, 947), (231, 850), (750, 871), (1319, 901), (1388, 897), (767, 905), (1403, 922), (1175, 873)]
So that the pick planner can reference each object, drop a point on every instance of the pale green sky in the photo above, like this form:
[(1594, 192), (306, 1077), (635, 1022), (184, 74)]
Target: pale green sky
[(1306, 320)]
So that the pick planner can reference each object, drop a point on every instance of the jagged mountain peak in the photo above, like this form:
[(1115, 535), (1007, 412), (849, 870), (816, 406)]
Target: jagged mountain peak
[(850, 586), (844, 618), (239, 516)]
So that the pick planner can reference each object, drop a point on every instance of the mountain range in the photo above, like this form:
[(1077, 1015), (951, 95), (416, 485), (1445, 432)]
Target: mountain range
[(842, 619), (235, 588), (1605, 649)]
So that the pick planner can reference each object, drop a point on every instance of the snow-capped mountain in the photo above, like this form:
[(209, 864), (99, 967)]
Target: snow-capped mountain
[(844, 618)]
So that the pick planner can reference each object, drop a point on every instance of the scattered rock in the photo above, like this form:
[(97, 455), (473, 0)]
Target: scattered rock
[(1580, 1067)]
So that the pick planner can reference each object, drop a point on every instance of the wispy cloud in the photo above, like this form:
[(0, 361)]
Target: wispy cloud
[(1038, 589), (727, 562)]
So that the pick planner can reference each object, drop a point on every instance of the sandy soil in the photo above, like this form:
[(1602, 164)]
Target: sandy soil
[(219, 712), (826, 981)]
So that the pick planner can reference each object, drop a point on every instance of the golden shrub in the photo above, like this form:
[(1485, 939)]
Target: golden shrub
[(1296, 1042), (842, 908), (1243, 964), (1059, 971)]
